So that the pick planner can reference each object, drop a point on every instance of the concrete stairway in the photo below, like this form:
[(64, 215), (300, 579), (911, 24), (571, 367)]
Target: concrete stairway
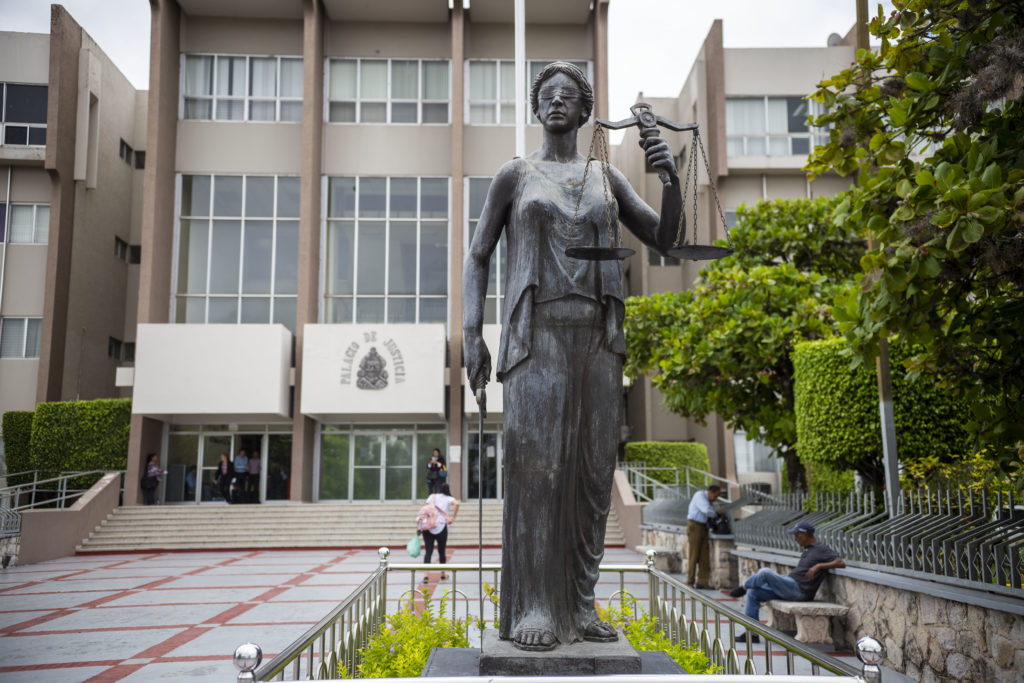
[(293, 525)]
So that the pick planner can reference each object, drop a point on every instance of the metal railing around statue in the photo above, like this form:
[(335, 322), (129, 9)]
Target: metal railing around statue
[(682, 614), (958, 537)]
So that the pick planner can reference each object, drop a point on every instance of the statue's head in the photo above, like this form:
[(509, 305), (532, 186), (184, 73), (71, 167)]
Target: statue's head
[(573, 72)]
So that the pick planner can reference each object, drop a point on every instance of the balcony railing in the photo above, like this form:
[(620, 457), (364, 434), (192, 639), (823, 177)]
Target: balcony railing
[(682, 613)]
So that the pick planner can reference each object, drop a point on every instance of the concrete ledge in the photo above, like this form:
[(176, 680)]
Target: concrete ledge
[(49, 534), (501, 658)]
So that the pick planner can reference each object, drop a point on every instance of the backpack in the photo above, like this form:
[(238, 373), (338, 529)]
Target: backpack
[(426, 518)]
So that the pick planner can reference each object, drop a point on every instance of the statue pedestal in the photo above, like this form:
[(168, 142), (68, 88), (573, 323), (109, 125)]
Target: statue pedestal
[(502, 658)]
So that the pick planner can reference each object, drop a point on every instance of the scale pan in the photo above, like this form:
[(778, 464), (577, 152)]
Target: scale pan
[(699, 252), (599, 253)]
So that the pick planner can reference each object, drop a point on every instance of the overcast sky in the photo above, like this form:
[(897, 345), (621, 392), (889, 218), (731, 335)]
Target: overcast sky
[(651, 43)]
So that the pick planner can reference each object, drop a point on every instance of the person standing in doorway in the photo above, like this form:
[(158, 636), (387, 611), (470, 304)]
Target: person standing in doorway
[(222, 477), (241, 475), (447, 508), (434, 468), (252, 490), (698, 545), (152, 478)]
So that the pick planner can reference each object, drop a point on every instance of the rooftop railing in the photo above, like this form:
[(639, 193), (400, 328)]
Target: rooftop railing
[(683, 614), (960, 537)]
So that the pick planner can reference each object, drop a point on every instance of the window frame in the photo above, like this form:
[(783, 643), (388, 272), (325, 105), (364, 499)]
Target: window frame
[(498, 102), (388, 99), (7, 232), (179, 299), (24, 336), (246, 98), (815, 136), (420, 221), (29, 127)]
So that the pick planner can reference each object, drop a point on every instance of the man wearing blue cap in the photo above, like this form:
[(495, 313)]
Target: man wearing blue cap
[(801, 584)]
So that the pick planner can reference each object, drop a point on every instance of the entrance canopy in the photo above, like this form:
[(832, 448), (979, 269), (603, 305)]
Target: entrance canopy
[(373, 372)]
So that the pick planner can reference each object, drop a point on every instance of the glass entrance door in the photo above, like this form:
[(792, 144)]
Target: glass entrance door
[(492, 469), (194, 453)]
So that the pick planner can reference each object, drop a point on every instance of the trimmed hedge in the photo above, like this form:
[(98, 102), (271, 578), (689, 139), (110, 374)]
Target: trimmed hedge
[(824, 479), (837, 422), (677, 454), (17, 433), (72, 436)]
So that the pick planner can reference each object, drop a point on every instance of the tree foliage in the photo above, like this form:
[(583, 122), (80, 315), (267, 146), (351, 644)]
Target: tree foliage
[(837, 421), (933, 126), (723, 347), (69, 436)]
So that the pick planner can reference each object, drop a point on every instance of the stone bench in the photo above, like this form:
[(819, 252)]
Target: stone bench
[(668, 560), (813, 619)]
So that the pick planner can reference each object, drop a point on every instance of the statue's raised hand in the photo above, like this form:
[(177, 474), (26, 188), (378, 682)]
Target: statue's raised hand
[(658, 153)]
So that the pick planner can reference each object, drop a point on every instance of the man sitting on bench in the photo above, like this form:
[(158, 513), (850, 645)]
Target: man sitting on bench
[(801, 584)]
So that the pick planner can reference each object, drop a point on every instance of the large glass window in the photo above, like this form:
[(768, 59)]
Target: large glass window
[(242, 88), (19, 337), (30, 224), (375, 462), (23, 114), (490, 97), (772, 126), (238, 244), (388, 91), (387, 250), (476, 195)]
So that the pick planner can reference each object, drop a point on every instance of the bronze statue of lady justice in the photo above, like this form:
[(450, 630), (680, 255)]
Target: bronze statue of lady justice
[(560, 358)]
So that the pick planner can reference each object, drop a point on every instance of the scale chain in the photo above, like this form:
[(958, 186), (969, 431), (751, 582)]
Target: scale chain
[(714, 193)]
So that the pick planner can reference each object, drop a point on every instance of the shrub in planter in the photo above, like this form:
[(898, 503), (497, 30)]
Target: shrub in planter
[(642, 632), (70, 436), (401, 648), (17, 433), (677, 454)]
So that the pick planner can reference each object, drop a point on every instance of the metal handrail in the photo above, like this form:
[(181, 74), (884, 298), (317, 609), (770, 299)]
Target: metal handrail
[(10, 496), (647, 488), (942, 535), (644, 486), (335, 641)]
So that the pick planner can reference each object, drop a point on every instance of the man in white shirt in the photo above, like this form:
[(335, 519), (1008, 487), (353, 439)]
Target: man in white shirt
[(698, 544)]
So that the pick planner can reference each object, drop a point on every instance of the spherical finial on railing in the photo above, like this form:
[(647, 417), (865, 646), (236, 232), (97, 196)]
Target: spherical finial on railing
[(383, 553), (871, 653), (247, 657), (650, 554)]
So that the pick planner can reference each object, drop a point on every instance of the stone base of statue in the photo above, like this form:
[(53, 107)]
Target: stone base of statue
[(501, 658)]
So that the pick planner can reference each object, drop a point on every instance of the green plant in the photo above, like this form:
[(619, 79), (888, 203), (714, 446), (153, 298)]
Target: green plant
[(932, 123), (17, 435), (401, 648), (677, 454), (73, 436), (976, 473), (642, 632), (837, 420), (824, 479)]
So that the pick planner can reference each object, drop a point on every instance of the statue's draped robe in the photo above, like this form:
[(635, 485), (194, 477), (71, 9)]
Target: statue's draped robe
[(560, 361)]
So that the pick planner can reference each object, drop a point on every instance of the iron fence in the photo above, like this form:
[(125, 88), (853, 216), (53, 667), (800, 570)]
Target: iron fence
[(52, 492), (682, 614), (953, 536)]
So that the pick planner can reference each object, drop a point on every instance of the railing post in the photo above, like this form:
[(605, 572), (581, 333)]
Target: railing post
[(871, 653), (652, 588), (247, 657)]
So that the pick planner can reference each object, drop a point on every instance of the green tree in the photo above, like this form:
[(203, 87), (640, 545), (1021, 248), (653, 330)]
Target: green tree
[(933, 126), (723, 347)]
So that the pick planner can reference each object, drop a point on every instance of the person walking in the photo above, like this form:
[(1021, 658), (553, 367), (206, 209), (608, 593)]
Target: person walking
[(698, 545), (801, 584), (447, 508)]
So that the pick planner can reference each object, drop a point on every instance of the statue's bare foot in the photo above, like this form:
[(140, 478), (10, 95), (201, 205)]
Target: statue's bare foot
[(599, 631), (534, 639)]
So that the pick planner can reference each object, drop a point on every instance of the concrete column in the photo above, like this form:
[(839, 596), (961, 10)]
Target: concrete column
[(61, 122), (157, 210), (455, 250), (307, 306)]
